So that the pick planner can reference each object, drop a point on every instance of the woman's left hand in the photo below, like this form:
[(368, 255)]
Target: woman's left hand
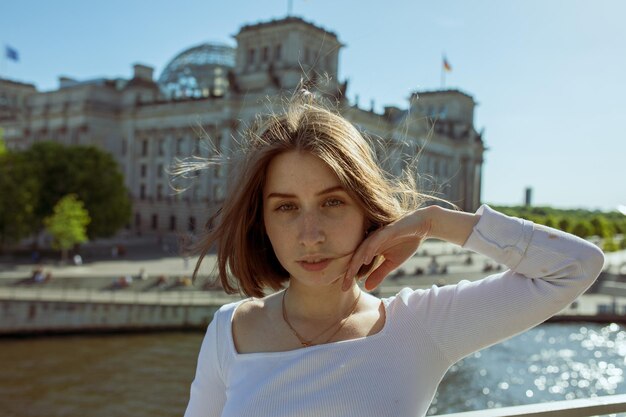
[(395, 242)]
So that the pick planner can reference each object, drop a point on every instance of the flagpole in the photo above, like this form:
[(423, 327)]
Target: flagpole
[(443, 72), (3, 59), (3, 66), (443, 77)]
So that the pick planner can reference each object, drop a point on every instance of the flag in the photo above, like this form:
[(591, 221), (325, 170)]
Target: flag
[(446, 65), (11, 53)]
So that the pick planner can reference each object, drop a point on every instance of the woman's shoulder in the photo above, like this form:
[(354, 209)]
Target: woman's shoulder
[(253, 307), (252, 318)]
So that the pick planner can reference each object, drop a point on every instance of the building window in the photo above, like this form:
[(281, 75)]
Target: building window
[(265, 56), (179, 146), (155, 221), (143, 170), (159, 191), (144, 148), (277, 52), (218, 194), (192, 224), (172, 223), (142, 192), (218, 142), (160, 171), (137, 220), (251, 56), (161, 147)]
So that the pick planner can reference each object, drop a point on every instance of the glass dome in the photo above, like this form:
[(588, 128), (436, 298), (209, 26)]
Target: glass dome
[(199, 71)]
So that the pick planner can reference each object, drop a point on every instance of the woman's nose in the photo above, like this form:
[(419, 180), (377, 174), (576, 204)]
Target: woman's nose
[(311, 230)]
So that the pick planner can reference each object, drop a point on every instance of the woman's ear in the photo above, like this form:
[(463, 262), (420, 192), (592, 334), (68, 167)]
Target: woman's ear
[(370, 227)]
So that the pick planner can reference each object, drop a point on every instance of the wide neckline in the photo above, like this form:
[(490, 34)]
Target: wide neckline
[(299, 351)]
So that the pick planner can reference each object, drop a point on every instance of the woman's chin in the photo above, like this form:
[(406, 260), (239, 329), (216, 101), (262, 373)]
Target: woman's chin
[(310, 279)]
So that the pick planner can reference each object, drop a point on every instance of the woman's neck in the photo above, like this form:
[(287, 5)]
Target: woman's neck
[(319, 304)]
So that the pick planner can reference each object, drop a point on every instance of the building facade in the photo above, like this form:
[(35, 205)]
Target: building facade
[(209, 93)]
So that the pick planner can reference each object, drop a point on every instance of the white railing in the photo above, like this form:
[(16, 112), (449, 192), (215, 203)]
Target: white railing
[(596, 406)]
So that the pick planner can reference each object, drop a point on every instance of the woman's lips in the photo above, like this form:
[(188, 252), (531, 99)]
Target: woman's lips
[(315, 266)]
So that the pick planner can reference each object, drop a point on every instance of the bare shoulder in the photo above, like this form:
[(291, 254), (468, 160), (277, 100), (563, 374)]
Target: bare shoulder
[(252, 320)]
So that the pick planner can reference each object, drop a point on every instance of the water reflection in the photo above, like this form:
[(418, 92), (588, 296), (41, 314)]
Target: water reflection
[(149, 375), (552, 362)]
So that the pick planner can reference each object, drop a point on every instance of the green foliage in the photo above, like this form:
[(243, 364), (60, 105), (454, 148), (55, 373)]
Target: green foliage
[(565, 224), (601, 227), (583, 229), (609, 245), (19, 191), (622, 244), (550, 221), (619, 226), (68, 223), (580, 222), (88, 172), (3, 148), (34, 180)]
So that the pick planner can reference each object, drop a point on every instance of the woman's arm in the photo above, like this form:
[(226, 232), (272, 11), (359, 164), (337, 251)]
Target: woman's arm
[(208, 393), (548, 269), (450, 225)]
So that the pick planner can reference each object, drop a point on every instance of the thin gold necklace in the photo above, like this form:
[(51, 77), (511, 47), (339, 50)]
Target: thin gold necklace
[(342, 322)]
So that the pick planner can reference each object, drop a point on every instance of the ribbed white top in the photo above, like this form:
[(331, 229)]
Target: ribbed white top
[(396, 371)]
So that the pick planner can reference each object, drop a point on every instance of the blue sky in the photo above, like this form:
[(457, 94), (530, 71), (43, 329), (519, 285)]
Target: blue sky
[(549, 76)]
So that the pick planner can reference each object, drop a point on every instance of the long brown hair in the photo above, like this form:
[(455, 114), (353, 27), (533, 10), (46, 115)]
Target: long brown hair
[(245, 259)]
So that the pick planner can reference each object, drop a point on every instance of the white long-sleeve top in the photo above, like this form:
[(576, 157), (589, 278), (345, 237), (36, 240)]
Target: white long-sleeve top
[(396, 372)]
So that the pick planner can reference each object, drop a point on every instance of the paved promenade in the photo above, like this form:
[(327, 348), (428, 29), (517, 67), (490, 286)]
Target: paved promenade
[(436, 263), (103, 271)]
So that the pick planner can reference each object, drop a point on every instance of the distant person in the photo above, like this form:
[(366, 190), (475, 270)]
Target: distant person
[(161, 281), (78, 260), (38, 275), (309, 215), (433, 266)]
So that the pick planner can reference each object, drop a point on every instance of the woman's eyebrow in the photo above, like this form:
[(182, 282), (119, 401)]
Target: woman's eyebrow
[(325, 191)]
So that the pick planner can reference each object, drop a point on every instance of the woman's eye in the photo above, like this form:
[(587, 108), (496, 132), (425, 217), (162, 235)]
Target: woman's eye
[(286, 207), (333, 202)]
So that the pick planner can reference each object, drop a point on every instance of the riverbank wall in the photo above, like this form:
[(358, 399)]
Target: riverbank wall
[(27, 312), (71, 312)]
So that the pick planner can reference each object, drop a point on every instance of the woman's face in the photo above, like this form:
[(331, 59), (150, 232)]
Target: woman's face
[(312, 222)]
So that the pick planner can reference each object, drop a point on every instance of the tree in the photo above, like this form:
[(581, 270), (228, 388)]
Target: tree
[(3, 148), (19, 193), (601, 227), (582, 229), (610, 245), (550, 221), (68, 224), (91, 174), (565, 224)]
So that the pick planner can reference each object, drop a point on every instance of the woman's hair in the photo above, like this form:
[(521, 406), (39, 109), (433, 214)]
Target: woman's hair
[(238, 233)]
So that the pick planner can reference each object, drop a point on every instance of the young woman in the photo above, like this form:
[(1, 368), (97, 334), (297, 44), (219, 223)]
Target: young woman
[(309, 215)]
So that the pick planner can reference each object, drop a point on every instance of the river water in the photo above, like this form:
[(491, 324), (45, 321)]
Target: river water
[(149, 375)]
